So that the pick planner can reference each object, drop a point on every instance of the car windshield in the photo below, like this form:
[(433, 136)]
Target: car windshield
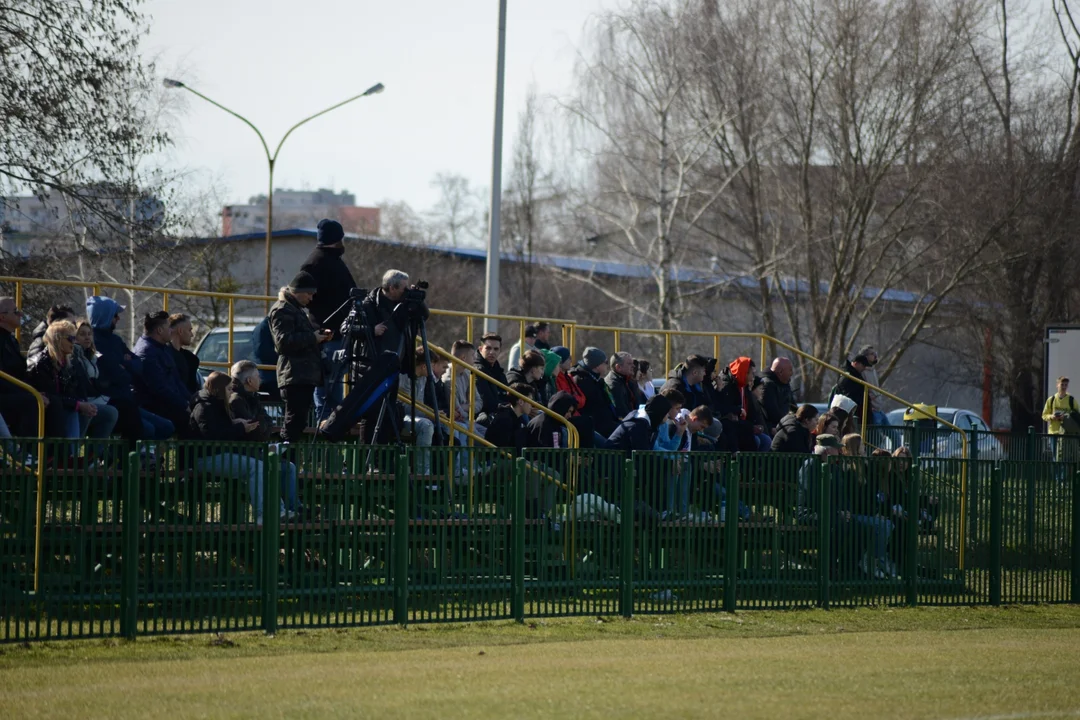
[(215, 348)]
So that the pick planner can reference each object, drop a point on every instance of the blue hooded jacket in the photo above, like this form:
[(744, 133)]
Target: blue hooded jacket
[(165, 389), (118, 368)]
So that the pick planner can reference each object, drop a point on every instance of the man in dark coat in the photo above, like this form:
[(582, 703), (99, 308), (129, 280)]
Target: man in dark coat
[(181, 335), (589, 376), (851, 388), (379, 307), (508, 423), (37, 339), (163, 390), (487, 362), (687, 377), (779, 399), (621, 382), (16, 405), (297, 341), (335, 281), (793, 432)]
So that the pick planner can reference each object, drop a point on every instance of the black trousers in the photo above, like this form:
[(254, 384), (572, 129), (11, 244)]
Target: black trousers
[(298, 401), (20, 413)]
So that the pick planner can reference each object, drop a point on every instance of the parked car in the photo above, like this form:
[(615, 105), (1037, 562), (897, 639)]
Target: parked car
[(214, 347), (946, 442)]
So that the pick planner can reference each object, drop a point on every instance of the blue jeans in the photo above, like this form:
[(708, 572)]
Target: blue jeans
[(241, 467), (677, 487), (764, 442), (325, 395), (155, 427), (289, 497), (425, 432), (102, 424), (882, 529)]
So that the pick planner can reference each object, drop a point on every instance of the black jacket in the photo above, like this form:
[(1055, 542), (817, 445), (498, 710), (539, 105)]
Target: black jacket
[(491, 395), (730, 399), (333, 282), (299, 356), (598, 404), (543, 429), (187, 364), (693, 395), (625, 393), (506, 429), (380, 309), (851, 389), (244, 405), (11, 362), (57, 384), (779, 398), (791, 436), (210, 420), (639, 433), (515, 375)]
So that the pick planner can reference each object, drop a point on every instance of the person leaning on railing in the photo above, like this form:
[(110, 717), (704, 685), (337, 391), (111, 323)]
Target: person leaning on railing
[(17, 406), (297, 341)]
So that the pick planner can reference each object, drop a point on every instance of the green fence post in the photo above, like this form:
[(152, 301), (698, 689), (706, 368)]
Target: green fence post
[(996, 520), (517, 547), (271, 539), (129, 541), (824, 533), (1029, 471), (731, 535), (626, 543), (401, 541), (911, 539)]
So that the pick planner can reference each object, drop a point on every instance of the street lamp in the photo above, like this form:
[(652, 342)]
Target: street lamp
[(271, 159)]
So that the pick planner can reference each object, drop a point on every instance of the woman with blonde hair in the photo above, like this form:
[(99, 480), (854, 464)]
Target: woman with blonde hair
[(51, 374)]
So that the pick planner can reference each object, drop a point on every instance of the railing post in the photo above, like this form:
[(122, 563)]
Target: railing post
[(731, 534), (911, 539), (271, 536), (626, 543), (517, 547), (825, 560), (129, 541), (401, 541), (996, 521)]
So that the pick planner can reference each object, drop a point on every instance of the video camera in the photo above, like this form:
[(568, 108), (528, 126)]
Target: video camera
[(412, 305)]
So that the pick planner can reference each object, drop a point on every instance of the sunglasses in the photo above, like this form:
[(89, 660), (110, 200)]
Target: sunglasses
[(69, 338)]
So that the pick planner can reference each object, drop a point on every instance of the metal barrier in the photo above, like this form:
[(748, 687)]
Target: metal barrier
[(182, 537)]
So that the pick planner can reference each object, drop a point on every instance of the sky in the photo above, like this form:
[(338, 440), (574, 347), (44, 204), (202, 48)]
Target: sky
[(276, 62)]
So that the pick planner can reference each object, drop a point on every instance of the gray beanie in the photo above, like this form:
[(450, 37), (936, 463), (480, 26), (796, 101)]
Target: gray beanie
[(593, 358)]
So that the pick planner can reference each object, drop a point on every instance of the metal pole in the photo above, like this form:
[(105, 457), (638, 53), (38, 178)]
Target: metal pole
[(491, 285), (269, 230)]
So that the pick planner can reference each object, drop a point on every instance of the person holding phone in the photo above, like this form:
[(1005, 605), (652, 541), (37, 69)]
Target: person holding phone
[(298, 343)]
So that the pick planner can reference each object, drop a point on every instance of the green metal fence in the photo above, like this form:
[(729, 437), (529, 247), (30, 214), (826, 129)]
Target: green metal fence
[(180, 537)]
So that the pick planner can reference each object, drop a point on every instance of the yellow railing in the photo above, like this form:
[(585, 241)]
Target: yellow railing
[(39, 470)]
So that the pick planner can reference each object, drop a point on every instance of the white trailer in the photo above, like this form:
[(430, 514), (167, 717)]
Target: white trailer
[(1062, 357)]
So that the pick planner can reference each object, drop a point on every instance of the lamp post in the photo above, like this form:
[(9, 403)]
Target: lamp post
[(271, 159)]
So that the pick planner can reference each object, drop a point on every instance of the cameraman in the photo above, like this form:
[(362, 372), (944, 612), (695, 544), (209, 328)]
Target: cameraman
[(298, 343), (379, 307)]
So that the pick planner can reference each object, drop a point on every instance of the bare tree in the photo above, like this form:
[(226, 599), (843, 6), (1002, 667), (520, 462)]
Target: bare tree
[(457, 217)]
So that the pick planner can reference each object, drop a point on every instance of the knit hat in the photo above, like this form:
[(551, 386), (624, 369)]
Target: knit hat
[(562, 352), (829, 441), (303, 282), (330, 232), (593, 358)]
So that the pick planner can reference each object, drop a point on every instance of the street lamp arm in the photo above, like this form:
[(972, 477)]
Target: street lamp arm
[(374, 89), (238, 116)]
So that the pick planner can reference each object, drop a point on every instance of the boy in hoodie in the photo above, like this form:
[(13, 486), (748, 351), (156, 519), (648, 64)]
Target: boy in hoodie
[(509, 422), (119, 370), (793, 432), (210, 420)]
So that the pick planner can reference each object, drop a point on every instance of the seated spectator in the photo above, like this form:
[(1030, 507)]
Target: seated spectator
[(55, 313), (589, 376), (858, 505), (125, 414), (529, 371), (544, 431), (466, 353), (841, 406), (564, 382), (163, 390), (49, 371), (687, 377), (827, 424), (423, 427), (793, 432), (509, 422), (643, 375), (735, 397), (670, 435), (761, 432), (187, 363), (243, 404), (488, 364), (17, 406), (118, 369), (262, 348), (210, 421), (639, 433), (516, 351), (543, 336), (808, 505), (778, 400), (622, 384)]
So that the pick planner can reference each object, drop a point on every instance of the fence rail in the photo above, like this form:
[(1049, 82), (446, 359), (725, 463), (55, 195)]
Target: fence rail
[(182, 537)]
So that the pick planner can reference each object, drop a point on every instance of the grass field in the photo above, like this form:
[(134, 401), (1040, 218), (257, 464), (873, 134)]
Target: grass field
[(1019, 662)]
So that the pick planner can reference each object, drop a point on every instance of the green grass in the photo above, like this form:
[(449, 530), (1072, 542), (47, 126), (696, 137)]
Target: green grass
[(925, 662)]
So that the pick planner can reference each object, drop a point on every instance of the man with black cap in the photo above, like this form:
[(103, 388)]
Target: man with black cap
[(298, 343), (877, 416), (332, 277), (853, 388)]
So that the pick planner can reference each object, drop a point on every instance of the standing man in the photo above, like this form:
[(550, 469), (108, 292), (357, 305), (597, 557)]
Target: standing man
[(852, 388), (779, 400), (529, 342), (1063, 417), (298, 344), (332, 277)]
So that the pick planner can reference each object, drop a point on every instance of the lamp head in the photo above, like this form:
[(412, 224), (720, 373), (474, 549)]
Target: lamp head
[(374, 89), (169, 83)]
